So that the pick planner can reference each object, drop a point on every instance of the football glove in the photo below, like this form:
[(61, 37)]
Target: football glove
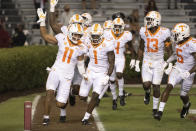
[(85, 76), (137, 66), (53, 3), (169, 69), (42, 17), (132, 63)]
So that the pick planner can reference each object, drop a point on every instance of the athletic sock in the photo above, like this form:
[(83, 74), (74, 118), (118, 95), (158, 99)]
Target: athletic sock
[(113, 91), (86, 116), (121, 86), (155, 102), (161, 106), (62, 112), (46, 117)]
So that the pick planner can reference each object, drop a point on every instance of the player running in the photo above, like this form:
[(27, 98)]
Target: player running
[(121, 41), (100, 67), (184, 70), (70, 53), (154, 40)]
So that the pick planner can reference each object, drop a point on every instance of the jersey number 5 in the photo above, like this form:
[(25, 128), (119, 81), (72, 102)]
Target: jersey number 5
[(180, 58), (65, 54), (155, 45)]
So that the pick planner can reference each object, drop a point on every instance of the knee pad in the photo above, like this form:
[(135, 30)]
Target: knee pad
[(119, 75)]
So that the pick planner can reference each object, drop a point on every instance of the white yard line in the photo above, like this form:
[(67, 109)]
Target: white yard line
[(34, 105), (192, 111), (96, 118)]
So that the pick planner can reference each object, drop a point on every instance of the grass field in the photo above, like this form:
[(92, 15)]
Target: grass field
[(136, 116), (12, 113)]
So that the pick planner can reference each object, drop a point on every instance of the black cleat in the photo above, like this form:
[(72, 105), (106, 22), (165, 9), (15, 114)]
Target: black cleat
[(147, 98), (98, 102), (114, 106), (86, 122), (158, 115), (122, 100), (62, 119), (154, 111), (185, 111), (72, 100), (45, 121)]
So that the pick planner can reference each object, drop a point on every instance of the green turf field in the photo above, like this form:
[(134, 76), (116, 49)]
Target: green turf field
[(12, 113), (136, 116)]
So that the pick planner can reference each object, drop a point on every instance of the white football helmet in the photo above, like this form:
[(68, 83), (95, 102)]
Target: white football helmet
[(107, 25), (180, 32), (87, 19), (152, 19), (75, 32), (76, 19), (96, 34), (118, 26)]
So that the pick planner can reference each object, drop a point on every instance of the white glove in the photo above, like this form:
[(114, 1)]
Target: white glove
[(105, 80), (132, 63), (48, 69), (85, 76), (165, 65), (169, 68), (53, 3), (137, 66), (42, 17), (185, 75)]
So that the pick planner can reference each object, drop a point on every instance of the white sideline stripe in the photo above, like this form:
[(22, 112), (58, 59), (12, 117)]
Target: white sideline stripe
[(192, 111), (34, 105), (96, 118)]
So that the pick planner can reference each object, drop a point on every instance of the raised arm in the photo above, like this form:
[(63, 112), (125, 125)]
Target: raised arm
[(54, 25), (43, 30)]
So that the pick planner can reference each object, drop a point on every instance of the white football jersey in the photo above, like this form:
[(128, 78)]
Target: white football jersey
[(154, 43), (64, 29), (67, 55), (185, 59), (119, 42), (98, 56)]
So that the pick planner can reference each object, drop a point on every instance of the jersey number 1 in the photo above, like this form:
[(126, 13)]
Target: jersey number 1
[(65, 54), (155, 45)]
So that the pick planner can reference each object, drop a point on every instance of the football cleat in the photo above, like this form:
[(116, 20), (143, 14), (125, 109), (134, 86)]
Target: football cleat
[(122, 100), (147, 98), (45, 121), (154, 111), (114, 106), (158, 115), (62, 119), (185, 111), (86, 122), (72, 100)]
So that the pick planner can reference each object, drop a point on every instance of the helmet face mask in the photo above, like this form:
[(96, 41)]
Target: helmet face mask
[(152, 19), (180, 33), (118, 29), (96, 34), (75, 32), (95, 39), (118, 26)]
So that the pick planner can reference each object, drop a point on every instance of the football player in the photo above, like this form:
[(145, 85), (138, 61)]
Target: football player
[(100, 67), (70, 53), (122, 41), (154, 40), (184, 70), (85, 20)]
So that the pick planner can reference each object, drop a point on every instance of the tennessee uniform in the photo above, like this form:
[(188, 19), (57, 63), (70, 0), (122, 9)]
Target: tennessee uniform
[(152, 67), (120, 39), (101, 53), (63, 68), (184, 69)]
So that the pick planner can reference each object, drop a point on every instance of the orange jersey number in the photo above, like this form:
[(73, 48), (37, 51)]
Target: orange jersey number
[(155, 45), (69, 56), (180, 58), (95, 56)]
